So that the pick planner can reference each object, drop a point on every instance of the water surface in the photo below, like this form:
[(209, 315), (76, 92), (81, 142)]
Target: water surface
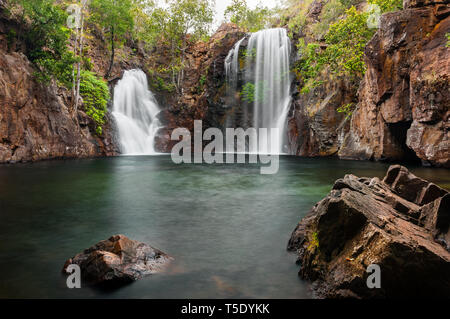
[(226, 225)]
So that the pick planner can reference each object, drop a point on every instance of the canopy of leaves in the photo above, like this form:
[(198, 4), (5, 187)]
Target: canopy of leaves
[(46, 39), (251, 20), (114, 16), (343, 54)]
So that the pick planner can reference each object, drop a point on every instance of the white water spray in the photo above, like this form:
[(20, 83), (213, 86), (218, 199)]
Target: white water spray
[(135, 111)]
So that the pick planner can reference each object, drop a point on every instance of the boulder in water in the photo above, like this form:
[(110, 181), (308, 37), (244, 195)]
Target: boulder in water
[(401, 224), (118, 260)]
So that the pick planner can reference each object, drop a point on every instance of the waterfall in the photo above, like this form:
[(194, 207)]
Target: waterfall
[(267, 76), (232, 68), (232, 65), (135, 111)]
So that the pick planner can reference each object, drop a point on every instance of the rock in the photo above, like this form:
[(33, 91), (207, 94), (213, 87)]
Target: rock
[(202, 86), (36, 120), (315, 127), (403, 111), (118, 260), (401, 224)]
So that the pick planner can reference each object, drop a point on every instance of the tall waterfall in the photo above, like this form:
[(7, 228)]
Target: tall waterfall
[(267, 73), (135, 111)]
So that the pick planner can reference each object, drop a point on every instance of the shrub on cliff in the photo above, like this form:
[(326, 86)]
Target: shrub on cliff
[(343, 53), (388, 5), (95, 93), (43, 30)]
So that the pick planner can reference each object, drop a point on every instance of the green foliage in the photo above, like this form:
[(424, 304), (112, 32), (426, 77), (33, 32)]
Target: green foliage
[(349, 3), (249, 93), (46, 39), (296, 24), (203, 80), (331, 11), (447, 45), (177, 25), (248, 54), (388, 5), (347, 109), (343, 54), (161, 85), (114, 16), (251, 20), (310, 65), (95, 93), (346, 41)]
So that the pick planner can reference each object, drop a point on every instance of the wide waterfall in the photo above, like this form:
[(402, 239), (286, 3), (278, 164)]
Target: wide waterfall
[(268, 81), (135, 111)]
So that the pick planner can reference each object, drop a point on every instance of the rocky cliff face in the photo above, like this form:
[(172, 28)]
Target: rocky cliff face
[(403, 101), (404, 98), (36, 121), (202, 87), (401, 224)]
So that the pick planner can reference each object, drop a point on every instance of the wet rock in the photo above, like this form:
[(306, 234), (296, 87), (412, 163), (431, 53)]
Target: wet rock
[(118, 260), (401, 224)]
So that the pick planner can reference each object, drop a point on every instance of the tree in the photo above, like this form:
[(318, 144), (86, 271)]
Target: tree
[(115, 17), (177, 25), (251, 20), (46, 38)]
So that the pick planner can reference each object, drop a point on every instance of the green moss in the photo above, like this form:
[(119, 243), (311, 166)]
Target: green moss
[(314, 242)]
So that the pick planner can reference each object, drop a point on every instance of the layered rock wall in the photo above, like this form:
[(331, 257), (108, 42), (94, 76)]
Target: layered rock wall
[(404, 108), (403, 101)]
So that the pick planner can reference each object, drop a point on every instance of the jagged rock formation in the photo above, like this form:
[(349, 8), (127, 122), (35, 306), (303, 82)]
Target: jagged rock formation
[(401, 224), (118, 260), (315, 127), (403, 101), (36, 122), (405, 96)]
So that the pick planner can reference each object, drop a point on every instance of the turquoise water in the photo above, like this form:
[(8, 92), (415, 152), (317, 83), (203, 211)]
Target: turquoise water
[(227, 226)]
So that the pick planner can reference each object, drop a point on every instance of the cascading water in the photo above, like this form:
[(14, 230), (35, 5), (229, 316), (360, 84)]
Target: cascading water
[(232, 68), (135, 111), (267, 77)]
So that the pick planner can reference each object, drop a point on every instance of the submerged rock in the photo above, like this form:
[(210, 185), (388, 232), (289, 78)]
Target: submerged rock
[(118, 260), (400, 223)]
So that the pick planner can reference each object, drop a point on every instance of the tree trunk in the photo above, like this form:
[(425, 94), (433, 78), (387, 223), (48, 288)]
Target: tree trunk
[(80, 55), (77, 96), (111, 63)]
